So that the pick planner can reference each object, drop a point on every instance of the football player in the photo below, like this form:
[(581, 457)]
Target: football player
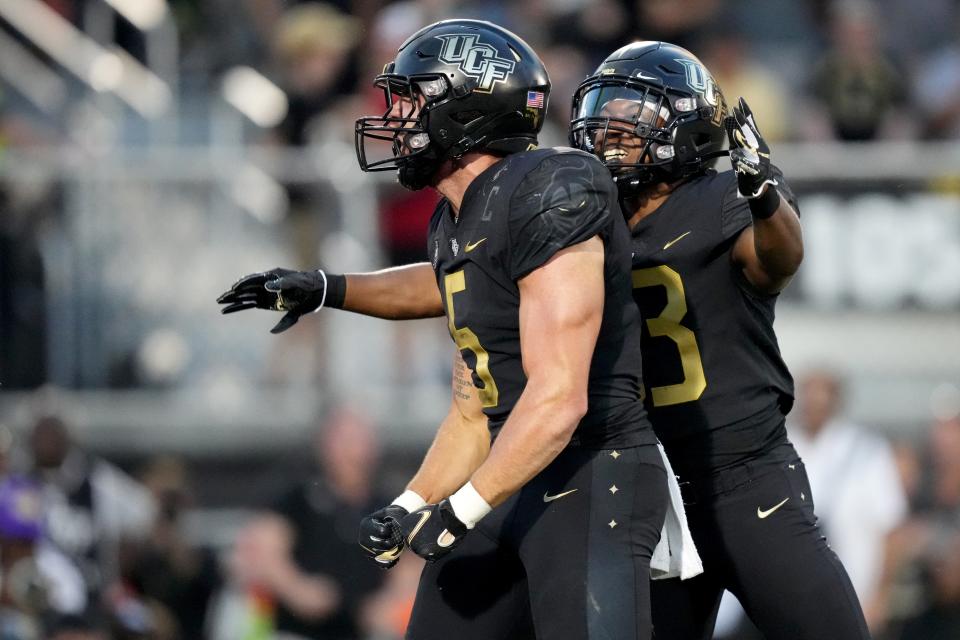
[(531, 265), (711, 253)]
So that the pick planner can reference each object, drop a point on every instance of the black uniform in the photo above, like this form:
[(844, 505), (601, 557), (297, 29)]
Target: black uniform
[(569, 554), (717, 391)]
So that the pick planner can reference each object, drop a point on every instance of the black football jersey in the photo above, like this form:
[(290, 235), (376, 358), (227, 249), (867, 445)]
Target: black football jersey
[(514, 217), (710, 355)]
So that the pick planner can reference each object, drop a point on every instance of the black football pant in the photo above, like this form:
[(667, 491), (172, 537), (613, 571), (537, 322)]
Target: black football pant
[(758, 537), (566, 558)]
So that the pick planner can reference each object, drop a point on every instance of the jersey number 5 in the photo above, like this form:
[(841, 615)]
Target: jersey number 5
[(668, 324), (467, 339)]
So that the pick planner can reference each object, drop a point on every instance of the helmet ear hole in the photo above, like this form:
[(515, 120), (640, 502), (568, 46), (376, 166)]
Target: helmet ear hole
[(702, 139)]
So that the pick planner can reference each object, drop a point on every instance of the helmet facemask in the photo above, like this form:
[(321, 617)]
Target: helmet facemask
[(641, 132), (400, 140), (626, 125)]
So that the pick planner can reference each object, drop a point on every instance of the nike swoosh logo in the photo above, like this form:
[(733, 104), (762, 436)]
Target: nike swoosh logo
[(424, 516), (385, 556), (389, 556), (548, 498), (676, 240), (764, 514), (473, 245)]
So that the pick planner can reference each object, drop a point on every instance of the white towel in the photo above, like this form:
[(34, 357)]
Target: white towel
[(676, 554)]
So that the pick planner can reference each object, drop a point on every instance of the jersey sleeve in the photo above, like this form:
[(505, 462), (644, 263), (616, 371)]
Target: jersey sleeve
[(566, 199), (432, 227), (734, 210)]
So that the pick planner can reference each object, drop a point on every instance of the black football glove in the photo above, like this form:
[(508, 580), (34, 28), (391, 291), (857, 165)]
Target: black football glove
[(749, 153), (381, 536), (296, 292), (433, 531)]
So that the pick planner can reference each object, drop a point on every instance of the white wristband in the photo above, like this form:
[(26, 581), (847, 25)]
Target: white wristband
[(469, 506), (323, 298), (409, 500)]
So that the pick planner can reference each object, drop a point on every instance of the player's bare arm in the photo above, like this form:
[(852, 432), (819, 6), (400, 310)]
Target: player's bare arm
[(771, 250), (399, 293), (561, 306), (461, 444)]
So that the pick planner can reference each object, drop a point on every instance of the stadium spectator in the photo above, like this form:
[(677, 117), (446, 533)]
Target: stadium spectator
[(313, 43), (39, 583), (166, 569), (90, 505), (918, 593), (301, 555), (855, 82)]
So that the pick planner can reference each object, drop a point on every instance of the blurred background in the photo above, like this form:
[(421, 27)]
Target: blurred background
[(170, 473)]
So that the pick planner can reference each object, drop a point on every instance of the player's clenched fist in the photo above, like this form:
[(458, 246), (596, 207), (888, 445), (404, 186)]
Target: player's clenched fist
[(381, 537), (433, 531)]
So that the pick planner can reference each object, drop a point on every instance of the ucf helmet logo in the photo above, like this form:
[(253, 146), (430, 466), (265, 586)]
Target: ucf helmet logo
[(700, 80), (476, 59)]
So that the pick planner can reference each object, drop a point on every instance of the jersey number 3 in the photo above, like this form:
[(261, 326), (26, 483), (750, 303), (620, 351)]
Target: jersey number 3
[(468, 340), (668, 324)]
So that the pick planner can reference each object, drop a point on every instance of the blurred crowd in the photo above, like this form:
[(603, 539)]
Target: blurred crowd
[(90, 552), (93, 551), (816, 70)]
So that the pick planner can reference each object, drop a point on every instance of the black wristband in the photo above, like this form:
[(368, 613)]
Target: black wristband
[(336, 291), (764, 205)]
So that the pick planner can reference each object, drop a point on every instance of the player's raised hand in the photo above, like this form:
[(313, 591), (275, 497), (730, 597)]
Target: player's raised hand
[(381, 537), (433, 531), (296, 292), (749, 152)]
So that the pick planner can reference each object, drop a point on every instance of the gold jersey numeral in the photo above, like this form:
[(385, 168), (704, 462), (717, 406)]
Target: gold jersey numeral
[(668, 324), (467, 339)]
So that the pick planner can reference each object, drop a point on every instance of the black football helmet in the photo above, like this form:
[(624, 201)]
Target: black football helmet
[(455, 86), (652, 112)]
